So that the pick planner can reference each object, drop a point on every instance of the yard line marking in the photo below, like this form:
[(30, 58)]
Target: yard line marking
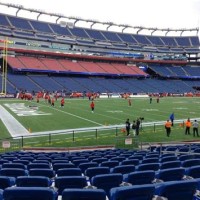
[(75, 116)]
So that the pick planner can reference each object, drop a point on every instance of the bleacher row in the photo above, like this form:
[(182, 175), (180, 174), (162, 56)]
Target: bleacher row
[(96, 84), (21, 27), (177, 71), (58, 66), (114, 174)]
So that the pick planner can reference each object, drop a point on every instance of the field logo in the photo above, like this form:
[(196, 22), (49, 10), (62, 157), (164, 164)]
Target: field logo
[(21, 110)]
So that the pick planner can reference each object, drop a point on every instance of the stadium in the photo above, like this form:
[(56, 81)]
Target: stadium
[(56, 145)]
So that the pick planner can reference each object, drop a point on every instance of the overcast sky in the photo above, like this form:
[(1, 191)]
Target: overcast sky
[(147, 13)]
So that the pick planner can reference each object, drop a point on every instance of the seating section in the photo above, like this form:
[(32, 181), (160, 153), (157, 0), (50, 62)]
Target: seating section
[(82, 175)]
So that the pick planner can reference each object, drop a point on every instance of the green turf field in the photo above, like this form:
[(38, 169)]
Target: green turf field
[(77, 114)]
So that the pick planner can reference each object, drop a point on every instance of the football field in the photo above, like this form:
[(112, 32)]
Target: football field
[(43, 118)]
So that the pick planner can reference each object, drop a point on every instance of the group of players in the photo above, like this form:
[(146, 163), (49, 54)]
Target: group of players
[(135, 126)]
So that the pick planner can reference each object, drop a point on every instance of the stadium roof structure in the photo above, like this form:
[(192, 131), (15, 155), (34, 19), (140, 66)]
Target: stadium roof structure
[(93, 22)]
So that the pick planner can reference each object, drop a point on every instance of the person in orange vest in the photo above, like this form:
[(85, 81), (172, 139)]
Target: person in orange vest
[(62, 102), (92, 106), (188, 124), (168, 125)]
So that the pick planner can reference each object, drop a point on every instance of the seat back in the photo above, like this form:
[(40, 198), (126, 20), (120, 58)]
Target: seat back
[(123, 169), (175, 190), (84, 166), (148, 166), (50, 173), (137, 192), (6, 181), (170, 164), (13, 172), (140, 177), (29, 193), (33, 181), (69, 172), (107, 181), (57, 166), (173, 174), (191, 162), (193, 171), (83, 194), (93, 171), (64, 182)]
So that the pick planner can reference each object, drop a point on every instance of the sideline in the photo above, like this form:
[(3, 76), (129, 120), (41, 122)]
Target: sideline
[(13, 126)]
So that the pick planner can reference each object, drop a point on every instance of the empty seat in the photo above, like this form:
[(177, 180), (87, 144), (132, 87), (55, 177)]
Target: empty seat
[(13, 172), (193, 171), (50, 173), (100, 160), (173, 174), (14, 165), (168, 158), (186, 157), (148, 166), (69, 172), (33, 181), (107, 181), (25, 162), (138, 192), (6, 181), (83, 194), (79, 161), (118, 158), (38, 165), (150, 160), (177, 190), (109, 164), (140, 177), (57, 166), (29, 193), (191, 162), (64, 182), (170, 164), (93, 171), (123, 169), (130, 162), (84, 166)]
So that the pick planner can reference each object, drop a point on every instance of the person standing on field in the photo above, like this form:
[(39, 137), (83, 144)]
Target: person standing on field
[(92, 106), (195, 126), (128, 125), (168, 125), (188, 124)]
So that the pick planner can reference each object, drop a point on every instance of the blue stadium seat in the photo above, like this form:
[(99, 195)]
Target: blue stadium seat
[(190, 163), (38, 165), (50, 173), (140, 177), (130, 162), (168, 158), (123, 169), (173, 174), (170, 164), (64, 182), (13, 172), (148, 166), (107, 181), (137, 192), (109, 164), (83, 194), (186, 157), (84, 166), (29, 193), (33, 181), (57, 166), (69, 172), (93, 171), (193, 171), (14, 165), (6, 181), (175, 190)]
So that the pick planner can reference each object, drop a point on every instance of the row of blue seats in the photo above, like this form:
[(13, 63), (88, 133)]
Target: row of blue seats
[(128, 174), (173, 190)]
